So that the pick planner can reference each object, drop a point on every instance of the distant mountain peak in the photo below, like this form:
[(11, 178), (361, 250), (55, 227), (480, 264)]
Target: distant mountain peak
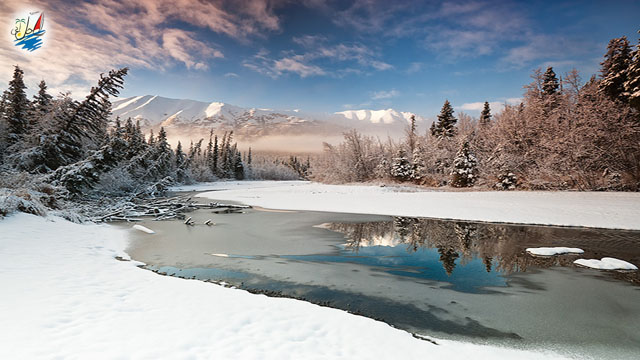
[(184, 115)]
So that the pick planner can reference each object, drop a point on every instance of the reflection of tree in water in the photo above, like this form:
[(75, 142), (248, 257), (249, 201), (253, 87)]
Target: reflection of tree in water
[(448, 258), (500, 247)]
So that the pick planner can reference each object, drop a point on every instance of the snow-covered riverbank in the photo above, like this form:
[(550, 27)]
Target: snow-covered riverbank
[(64, 295), (615, 210)]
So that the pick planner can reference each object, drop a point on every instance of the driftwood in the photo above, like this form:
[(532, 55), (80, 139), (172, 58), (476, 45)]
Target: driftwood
[(163, 209)]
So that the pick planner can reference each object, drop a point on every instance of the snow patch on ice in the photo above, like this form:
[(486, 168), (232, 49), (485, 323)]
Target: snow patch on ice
[(550, 251), (144, 229), (606, 263)]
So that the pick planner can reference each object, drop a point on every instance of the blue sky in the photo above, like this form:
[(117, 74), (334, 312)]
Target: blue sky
[(320, 55)]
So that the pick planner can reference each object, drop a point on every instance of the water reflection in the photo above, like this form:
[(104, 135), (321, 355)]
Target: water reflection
[(500, 248)]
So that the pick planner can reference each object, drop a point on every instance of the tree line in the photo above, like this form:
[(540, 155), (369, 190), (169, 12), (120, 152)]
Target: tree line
[(565, 134), (75, 146)]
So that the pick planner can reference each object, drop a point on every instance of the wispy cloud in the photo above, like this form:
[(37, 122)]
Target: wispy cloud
[(86, 38), (296, 66), (552, 49), (378, 95), (314, 49)]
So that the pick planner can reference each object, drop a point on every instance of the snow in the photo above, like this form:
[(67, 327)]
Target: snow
[(388, 116), (550, 251), (64, 295), (615, 210), (157, 110), (126, 103), (606, 263), (144, 229)]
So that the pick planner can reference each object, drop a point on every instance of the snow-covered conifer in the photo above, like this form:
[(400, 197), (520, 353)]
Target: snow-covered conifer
[(418, 166), (238, 167), (550, 83), (485, 115), (401, 167), (632, 84), (41, 104), (614, 68), (445, 126), (17, 108), (464, 171)]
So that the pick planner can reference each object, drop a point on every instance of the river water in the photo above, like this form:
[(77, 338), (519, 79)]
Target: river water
[(440, 279)]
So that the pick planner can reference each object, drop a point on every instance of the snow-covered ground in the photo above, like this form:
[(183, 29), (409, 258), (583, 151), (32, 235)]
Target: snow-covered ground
[(616, 210), (551, 251), (64, 295), (606, 263)]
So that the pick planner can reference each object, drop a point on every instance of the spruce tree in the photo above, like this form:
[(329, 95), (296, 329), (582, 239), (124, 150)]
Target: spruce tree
[(152, 139), (401, 167), (215, 156), (550, 83), (614, 69), (81, 126), (238, 167), (41, 104), (464, 170), (162, 156), (445, 126), (485, 115), (632, 84), (411, 134), (418, 167), (17, 108)]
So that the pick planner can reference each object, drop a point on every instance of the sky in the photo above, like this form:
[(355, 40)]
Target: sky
[(316, 55)]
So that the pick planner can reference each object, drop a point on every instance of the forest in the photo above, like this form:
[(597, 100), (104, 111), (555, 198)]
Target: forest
[(565, 134)]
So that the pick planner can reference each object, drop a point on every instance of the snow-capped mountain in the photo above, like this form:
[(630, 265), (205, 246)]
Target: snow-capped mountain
[(388, 116), (189, 116)]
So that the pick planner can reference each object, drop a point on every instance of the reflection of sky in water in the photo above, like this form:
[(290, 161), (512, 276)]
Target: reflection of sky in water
[(425, 263)]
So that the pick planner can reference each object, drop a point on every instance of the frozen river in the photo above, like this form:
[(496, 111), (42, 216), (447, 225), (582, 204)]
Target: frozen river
[(444, 279)]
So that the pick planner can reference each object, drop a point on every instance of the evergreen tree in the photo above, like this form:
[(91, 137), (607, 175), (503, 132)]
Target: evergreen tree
[(17, 108), (464, 170), (485, 115), (152, 139), (41, 103), (401, 168), (181, 164), (80, 126), (445, 126), (550, 83), (614, 68), (418, 167), (117, 131), (181, 157), (411, 134), (162, 162), (632, 84), (215, 156), (138, 144), (238, 167)]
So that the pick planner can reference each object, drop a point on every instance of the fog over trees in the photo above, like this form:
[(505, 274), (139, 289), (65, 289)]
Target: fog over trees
[(565, 134)]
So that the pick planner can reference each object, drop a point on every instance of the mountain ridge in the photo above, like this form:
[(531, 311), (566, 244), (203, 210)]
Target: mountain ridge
[(192, 118)]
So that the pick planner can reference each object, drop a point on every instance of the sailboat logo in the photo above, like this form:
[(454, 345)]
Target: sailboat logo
[(28, 31)]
